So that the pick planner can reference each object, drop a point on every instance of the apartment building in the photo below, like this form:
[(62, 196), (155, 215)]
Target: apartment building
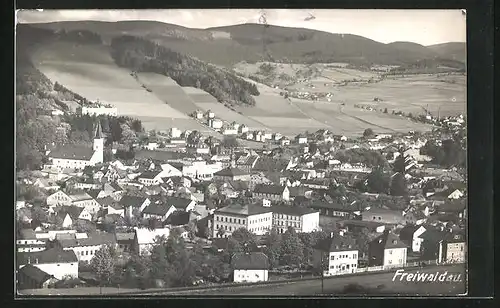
[(301, 219), (255, 218)]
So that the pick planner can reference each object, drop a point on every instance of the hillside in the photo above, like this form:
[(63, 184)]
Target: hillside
[(232, 44), (454, 50)]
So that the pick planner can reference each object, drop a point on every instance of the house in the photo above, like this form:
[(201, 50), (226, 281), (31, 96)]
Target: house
[(387, 250), (84, 200), (114, 208), (54, 261), (410, 235), (342, 253), (145, 238), (215, 123), (71, 214), (79, 156), (250, 267), (272, 192), (59, 198), (85, 248), (31, 277), (28, 242), (456, 208), (246, 162), (453, 248), (125, 241), (162, 209), (332, 209), (301, 139), (254, 217), (382, 215), (303, 220), (148, 178), (134, 205), (46, 184), (243, 129), (284, 141), (232, 174)]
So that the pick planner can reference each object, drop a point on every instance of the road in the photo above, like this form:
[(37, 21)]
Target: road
[(335, 285)]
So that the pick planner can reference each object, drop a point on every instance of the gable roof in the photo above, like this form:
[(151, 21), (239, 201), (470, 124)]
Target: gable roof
[(94, 192), (79, 152), (92, 240), (247, 209), (156, 209), (298, 191), (231, 172), (389, 240), (73, 212), (133, 201), (265, 163), (34, 273), (338, 243), (269, 189), (149, 174), (125, 236), (178, 202), (53, 255), (250, 261), (292, 210)]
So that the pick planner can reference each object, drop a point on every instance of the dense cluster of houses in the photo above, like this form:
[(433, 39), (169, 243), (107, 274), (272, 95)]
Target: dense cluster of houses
[(176, 188)]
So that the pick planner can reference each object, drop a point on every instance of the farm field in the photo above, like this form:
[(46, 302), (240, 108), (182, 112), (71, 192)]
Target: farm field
[(89, 71)]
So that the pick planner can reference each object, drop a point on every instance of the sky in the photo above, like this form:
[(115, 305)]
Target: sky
[(425, 27)]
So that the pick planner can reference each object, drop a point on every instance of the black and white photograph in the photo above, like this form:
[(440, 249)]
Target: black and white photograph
[(240, 152)]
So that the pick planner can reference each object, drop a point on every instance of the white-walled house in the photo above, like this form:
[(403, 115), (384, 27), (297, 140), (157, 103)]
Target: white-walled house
[(28, 242), (250, 267), (85, 248), (411, 235), (342, 253), (387, 250), (145, 238), (54, 261)]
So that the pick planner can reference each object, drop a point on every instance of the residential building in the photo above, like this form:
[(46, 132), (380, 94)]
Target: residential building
[(342, 253), (232, 174), (125, 241), (384, 216), (149, 178), (100, 110), (134, 205), (254, 217), (31, 277), (332, 209), (303, 220), (387, 250), (85, 248), (145, 238), (54, 261), (410, 235), (452, 249), (250, 267), (28, 242), (272, 192)]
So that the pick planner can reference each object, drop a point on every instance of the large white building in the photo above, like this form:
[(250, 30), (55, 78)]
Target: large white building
[(255, 218), (79, 156), (303, 220), (85, 247), (54, 261), (100, 110)]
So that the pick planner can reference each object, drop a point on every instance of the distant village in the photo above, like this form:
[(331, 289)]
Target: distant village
[(207, 189)]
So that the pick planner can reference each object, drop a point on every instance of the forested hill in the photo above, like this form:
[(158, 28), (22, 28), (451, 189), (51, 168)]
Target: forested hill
[(141, 55)]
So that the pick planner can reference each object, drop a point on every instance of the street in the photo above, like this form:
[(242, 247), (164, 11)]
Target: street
[(336, 285)]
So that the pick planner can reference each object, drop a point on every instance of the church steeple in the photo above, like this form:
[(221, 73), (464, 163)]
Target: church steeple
[(98, 131)]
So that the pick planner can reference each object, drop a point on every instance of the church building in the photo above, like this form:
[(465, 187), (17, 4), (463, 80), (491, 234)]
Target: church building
[(78, 156)]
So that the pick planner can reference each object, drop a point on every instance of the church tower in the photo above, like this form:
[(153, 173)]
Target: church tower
[(98, 144)]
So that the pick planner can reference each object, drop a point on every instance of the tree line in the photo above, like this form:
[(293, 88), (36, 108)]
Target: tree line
[(142, 55)]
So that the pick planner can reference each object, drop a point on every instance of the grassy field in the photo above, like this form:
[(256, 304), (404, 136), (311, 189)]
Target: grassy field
[(89, 71)]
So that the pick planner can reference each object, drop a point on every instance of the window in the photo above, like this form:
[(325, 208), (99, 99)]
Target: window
[(87, 253), (379, 218), (373, 217), (390, 252), (390, 261), (332, 258), (347, 266)]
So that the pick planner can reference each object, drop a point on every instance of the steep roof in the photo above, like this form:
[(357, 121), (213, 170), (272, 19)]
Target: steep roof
[(125, 236), (338, 243), (231, 172), (98, 131), (130, 200), (292, 210), (177, 202), (389, 240), (53, 255), (92, 240), (149, 174), (73, 212), (34, 273), (247, 209), (265, 163), (156, 209), (269, 189), (78, 152), (250, 261)]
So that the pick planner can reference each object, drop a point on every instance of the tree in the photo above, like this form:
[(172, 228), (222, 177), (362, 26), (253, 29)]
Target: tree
[(292, 249), (245, 239), (398, 185), (103, 264), (368, 133), (272, 241), (221, 232), (230, 142), (400, 163), (377, 182)]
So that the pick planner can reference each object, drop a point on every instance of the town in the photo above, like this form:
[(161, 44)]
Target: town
[(177, 208)]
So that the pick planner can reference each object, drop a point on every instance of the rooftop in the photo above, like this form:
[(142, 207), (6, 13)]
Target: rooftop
[(53, 255), (231, 172), (250, 261), (246, 210), (78, 152), (269, 189)]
